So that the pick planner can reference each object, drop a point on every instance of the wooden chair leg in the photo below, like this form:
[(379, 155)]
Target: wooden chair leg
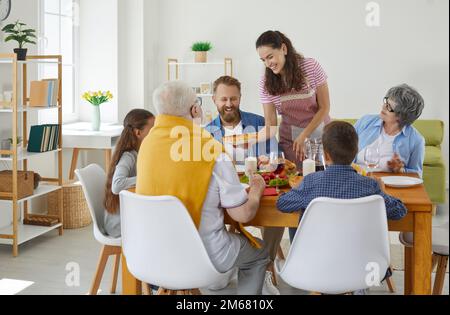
[(435, 260), (104, 255), (115, 274), (440, 275), (146, 289), (73, 164), (391, 285), (162, 291), (280, 253), (434, 210), (271, 268)]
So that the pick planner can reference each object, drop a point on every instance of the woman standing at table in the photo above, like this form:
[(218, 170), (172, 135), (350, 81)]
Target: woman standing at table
[(295, 87)]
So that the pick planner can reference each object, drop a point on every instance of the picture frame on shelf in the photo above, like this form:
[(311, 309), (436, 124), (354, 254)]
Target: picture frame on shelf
[(205, 88)]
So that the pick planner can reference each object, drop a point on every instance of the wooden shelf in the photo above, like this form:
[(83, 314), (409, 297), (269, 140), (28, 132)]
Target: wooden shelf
[(27, 62), (22, 109), (28, 155), (42, 190), (197, 63), (26, 232)]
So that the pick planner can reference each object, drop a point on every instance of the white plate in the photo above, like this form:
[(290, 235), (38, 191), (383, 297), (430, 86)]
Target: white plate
[(245, 185), (372, 170), (401, 181)]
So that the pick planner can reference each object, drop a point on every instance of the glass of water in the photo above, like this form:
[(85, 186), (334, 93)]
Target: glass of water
[(372, 158)]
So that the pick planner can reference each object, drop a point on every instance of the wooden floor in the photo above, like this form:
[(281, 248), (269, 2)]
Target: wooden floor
[(43, 261)]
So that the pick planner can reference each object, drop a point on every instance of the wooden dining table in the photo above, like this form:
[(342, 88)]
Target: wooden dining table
[(417, 276)]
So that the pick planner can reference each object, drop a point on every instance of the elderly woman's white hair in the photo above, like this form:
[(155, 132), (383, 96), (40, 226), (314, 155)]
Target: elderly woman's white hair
[(174, 98)]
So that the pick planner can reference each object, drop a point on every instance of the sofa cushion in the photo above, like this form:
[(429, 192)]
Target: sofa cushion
[(431, 130), (433, 156)]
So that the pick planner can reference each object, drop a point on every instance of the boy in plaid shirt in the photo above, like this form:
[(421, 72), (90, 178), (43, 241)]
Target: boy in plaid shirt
[(339, 180)]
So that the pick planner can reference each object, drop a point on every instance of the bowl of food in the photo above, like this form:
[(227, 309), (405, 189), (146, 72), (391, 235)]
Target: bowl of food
[(271, 179)]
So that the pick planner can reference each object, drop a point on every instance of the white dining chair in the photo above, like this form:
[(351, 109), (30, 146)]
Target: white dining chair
[(341, 246), (93, 181), (162, 245), (439, 241)]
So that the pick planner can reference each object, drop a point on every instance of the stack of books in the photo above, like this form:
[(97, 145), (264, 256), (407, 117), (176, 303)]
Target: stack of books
[(44, 93), (43, 138)]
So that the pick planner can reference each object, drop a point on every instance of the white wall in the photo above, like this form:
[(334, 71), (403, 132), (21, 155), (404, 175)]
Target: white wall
[(99, 54), (151, 54), (410, 46), (131, 45)]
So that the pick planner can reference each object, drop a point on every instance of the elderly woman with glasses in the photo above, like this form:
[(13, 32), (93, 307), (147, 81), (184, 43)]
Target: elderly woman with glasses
[(398, 146)]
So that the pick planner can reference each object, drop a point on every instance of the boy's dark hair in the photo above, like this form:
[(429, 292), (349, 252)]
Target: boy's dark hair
[(340, 141)]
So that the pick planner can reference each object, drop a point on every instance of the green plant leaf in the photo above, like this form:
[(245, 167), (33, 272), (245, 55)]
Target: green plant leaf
[(8, 28), (201, 46), (11, 37)]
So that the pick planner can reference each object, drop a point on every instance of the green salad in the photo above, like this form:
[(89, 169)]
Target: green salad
[(244, 179), (278, 182)]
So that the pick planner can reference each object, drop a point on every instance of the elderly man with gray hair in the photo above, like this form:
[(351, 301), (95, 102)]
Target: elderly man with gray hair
[(400, 147), (207, 184)]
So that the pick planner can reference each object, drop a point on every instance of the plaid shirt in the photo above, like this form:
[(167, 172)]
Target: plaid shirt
[(339, 182)]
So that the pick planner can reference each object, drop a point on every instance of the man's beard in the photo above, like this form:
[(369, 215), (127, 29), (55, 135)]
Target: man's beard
[(230, 117)]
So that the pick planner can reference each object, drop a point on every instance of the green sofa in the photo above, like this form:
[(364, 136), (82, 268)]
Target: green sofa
[(434, 167)]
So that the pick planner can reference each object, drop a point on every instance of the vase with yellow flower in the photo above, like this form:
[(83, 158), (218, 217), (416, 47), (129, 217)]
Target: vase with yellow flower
[(96, 99)]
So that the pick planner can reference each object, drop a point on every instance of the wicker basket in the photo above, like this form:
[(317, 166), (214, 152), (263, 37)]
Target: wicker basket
[(25, 183), (75, 209)]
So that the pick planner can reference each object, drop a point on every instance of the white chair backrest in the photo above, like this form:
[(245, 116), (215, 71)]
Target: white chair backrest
[(339, 245), (162, 245), (93, 181)]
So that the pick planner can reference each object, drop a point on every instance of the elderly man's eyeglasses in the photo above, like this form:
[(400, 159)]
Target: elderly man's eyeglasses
[(387, 105)]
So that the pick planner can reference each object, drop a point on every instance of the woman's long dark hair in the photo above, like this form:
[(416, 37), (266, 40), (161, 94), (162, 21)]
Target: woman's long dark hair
[(293, 76), (136, 119)]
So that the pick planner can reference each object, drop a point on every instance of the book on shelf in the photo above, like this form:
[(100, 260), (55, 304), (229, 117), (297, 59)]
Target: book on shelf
[(43, 138), (44, 93)]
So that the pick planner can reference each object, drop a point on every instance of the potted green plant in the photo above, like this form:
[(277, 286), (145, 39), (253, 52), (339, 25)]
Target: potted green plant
[(201, 49), (19, 144), (22, 35), (96, 99)]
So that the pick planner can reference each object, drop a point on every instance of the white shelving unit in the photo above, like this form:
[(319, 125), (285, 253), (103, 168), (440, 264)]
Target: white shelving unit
[(25, 155), (26, 232), (16, 232), (21, 109), (173, 65), (173, 62)]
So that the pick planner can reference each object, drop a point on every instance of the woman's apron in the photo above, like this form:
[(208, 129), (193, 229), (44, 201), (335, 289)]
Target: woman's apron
[(297, 111)]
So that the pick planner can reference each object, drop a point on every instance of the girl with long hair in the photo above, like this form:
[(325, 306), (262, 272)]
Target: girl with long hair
[(122, 171)]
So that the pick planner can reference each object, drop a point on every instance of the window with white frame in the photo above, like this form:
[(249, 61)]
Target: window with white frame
[(59, 36)]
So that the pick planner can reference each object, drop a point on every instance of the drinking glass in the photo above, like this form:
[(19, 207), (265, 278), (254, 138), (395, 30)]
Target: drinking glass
[(372, 158), (277, 163)]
